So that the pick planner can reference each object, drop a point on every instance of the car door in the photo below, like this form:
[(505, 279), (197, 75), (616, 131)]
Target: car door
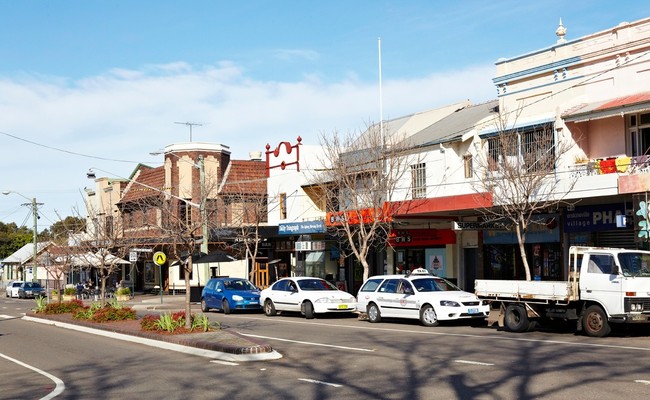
[(281, 295), (388, 299), (601, 282), (408, 306), (219, 293)]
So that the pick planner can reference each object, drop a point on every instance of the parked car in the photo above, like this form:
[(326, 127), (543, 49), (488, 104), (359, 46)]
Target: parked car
[(306, 295), (230, 294), (12, 288), (30, 290), (418, 295)]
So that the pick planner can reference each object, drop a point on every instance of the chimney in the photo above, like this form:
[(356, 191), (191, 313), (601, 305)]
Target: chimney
[(255, 155)]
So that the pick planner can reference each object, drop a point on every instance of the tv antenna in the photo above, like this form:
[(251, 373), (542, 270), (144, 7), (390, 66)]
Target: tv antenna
[(190, 124)]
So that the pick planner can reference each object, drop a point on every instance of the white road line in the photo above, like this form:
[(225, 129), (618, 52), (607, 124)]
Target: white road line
[(58, 389), (432, 332), (224, 362), (642, 381), (320, 382), (472, 362), (307, 343), (7, 316)]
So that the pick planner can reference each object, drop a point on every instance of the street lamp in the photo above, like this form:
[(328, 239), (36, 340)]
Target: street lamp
[(34, 206)]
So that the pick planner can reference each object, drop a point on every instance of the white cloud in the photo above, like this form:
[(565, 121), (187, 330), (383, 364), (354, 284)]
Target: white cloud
[(125, 114)]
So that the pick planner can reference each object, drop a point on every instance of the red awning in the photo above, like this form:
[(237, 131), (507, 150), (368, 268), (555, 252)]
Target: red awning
[(608, 108)]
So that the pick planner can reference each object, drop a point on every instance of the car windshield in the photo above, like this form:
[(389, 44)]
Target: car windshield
[(433, 285), (32, 285), (635, 264), (240, 284), (315, 284)]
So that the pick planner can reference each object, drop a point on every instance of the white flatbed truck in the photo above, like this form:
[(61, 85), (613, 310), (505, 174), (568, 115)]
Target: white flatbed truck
[(604, 286)]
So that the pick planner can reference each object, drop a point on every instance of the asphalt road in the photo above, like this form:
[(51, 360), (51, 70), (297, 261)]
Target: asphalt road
[(327, 358)]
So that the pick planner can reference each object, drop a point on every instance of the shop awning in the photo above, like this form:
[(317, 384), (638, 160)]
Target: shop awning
[(316, 257), (608, 108)]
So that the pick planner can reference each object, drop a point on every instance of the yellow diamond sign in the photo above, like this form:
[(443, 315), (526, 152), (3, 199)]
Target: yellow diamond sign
[(159, 258)]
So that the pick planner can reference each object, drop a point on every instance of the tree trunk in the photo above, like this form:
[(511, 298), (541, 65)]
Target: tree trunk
[(522, 249)]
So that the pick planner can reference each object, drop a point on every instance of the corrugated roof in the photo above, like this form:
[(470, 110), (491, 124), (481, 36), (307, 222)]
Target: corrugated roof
[(606, 108), (453, 126), (25, 253)]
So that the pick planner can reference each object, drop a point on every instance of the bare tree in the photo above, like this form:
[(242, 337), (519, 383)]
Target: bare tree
[(520, 169), (103, 247), (362, 174), (175, 222)]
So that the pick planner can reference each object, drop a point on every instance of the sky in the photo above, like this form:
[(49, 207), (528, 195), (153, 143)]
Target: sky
[(102, 84)]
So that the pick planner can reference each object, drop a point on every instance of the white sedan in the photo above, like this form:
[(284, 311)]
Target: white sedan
[(418, 295), (306, 295), (12, 288)]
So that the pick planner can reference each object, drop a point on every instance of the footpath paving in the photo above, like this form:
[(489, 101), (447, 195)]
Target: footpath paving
[(221, 344)]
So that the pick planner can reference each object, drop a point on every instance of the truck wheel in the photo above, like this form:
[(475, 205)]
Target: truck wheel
[(516, 319), (594, 322), (374, 315)]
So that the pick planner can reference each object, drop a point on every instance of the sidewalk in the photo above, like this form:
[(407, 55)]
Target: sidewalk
[(222, 344)]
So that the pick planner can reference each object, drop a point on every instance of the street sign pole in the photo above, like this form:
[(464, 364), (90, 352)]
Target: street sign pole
[(159, 259)]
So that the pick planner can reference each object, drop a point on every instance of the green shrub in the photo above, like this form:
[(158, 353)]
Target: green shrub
[(123, 291), (70, 291), (167, 322), (97, 313), (63, 307)]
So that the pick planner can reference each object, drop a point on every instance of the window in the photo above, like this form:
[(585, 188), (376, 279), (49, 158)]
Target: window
[(283, 206), (467, 161), (419, 181), (389, 286), (370, 285), (639, 134), (531, 148)]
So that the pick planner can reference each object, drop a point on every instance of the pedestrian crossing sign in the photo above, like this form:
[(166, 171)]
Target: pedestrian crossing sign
[(159, 258)]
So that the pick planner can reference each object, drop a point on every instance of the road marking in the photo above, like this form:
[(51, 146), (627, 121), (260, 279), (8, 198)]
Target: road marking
[(472, 362), (307, 343), (642, 381), (7, 316), (465, 335), (58, 389), (224, 362), (320, 382)]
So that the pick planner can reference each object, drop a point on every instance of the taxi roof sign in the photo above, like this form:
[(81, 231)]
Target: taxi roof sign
[(159, 258)]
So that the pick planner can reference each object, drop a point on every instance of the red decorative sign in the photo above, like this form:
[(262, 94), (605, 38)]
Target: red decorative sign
[(288, 148)]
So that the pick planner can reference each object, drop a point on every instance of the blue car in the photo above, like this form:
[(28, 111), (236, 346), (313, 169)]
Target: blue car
[(229, 294)]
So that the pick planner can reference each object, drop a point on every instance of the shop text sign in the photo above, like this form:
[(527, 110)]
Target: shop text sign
[(301, 228), (421, 237), (600, 217)]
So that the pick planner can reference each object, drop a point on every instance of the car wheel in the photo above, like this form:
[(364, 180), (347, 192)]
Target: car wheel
[(269, 308), (516, 318), (374, 315), (428, 316), (204, 306), (594, 322), (308, 309), (225, 306)]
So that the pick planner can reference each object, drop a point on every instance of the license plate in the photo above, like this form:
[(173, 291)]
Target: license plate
[(472, 311), (343, 306)]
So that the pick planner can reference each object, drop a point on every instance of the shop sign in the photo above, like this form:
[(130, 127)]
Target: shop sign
[(478, 225), (354, 217), (301, 228), (545, 230), (421, 237), (600, 217)]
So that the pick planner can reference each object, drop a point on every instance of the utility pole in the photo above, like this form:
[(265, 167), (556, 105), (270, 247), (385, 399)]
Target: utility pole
[(190, 124), (204, 213), (34, 206)]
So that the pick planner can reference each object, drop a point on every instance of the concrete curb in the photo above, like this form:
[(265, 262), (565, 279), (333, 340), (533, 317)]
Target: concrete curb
[(202, 348)]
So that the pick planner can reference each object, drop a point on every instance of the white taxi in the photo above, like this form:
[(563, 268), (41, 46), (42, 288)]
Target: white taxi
[(418, 295)]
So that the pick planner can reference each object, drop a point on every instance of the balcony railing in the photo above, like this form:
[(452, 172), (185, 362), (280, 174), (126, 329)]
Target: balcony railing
[(611, 165)]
